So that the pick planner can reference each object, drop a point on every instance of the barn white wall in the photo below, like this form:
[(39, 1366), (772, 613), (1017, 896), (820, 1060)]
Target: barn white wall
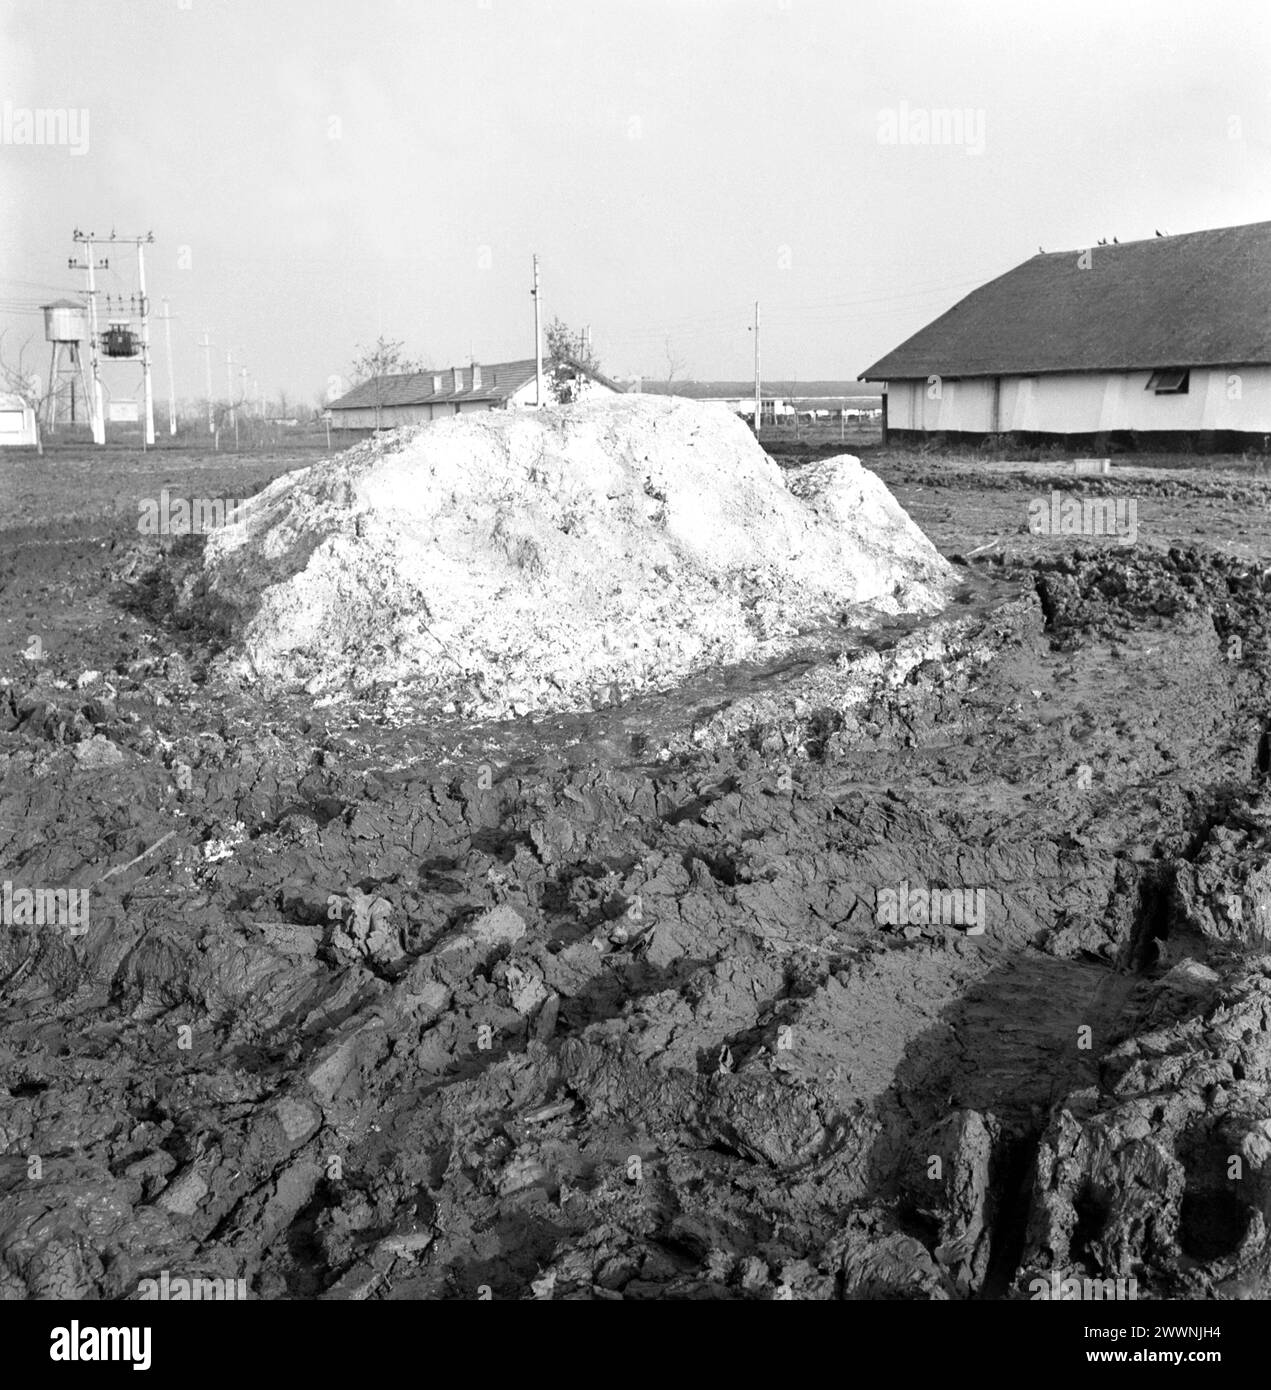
[(1234, 398)]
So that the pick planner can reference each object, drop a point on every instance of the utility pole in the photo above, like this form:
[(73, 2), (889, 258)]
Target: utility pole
[(229, 390), (206, 345), (172, 389), (758, 402), (96, 411), (538, 339), (147, 385)]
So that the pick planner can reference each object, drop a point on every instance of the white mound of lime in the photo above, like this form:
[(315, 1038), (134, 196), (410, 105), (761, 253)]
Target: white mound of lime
[(517, 561)]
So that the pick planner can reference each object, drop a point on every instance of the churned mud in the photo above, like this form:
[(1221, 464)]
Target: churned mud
[(647, 1001)]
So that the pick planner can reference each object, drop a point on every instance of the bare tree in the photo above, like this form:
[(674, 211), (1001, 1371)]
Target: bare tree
[(15, 378), (675, 364), (386, 358)]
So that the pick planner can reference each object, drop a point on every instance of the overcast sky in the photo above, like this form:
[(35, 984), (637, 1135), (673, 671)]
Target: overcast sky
[(318, 173)]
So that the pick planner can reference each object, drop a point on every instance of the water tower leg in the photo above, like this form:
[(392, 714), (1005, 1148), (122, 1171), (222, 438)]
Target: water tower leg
[(50, 409), (78, 359)]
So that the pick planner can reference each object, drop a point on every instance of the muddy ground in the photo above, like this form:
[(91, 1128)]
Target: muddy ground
[(604, 1006)]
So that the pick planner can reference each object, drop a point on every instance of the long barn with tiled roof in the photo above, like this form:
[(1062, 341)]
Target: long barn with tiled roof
[(412, 398), (1160, 338)]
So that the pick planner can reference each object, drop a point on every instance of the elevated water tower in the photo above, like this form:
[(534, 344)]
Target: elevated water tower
[(66, 327)]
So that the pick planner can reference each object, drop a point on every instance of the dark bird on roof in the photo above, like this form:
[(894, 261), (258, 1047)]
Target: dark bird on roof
[(1115, 242), (1159, 232)]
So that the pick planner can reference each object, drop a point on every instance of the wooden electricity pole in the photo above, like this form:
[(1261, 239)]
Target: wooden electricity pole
[(229, 391), (147, 385), (538, 339), (206, 345), (172, 388), (96, 410), (758, 402)]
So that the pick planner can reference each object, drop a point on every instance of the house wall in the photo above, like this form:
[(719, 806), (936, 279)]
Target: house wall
[(738, 405), (588, 390), (391, 416), (16, 426), (363, 417), (1235, 398), (526, 396)]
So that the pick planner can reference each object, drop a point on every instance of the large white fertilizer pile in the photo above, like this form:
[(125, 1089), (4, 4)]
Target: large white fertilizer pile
[(511, 562)]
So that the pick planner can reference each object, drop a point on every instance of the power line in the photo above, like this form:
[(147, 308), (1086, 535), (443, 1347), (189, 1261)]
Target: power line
[(41, 285), (874, 294), (828, 312)]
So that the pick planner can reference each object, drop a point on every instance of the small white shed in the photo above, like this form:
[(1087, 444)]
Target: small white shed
[(17, 420)]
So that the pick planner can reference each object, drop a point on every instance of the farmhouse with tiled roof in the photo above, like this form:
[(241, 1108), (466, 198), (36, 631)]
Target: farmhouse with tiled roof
[(1169, 337)]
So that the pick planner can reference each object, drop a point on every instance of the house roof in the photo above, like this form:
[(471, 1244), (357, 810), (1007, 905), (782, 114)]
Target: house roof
[(745, 390), (595, 375), (10, 400), (1195, 300), (499, 382)]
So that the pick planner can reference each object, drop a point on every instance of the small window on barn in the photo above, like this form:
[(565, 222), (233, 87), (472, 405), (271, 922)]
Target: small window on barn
[(1172, 381)]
